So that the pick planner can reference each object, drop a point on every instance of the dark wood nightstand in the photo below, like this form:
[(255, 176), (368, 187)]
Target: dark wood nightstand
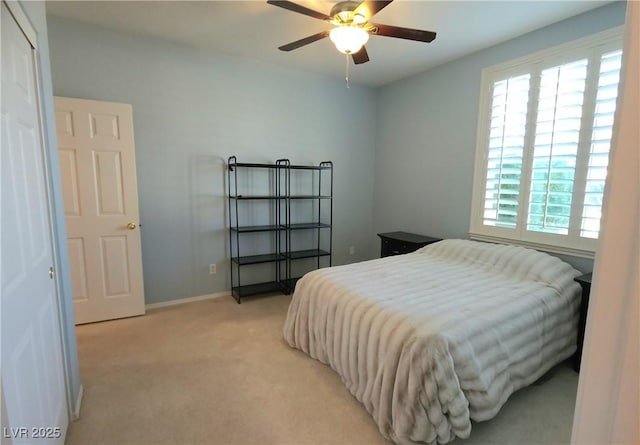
[(398, 243), (585, 282)]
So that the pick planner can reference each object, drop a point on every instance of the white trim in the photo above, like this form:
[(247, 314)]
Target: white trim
[(75, 415), (58, 267), (187, 300)]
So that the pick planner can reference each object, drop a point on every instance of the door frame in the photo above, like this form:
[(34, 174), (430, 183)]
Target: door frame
[(61, 269)]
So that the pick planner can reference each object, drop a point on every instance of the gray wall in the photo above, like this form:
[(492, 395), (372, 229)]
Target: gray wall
[(36, 13), (426, 133), (192, 110)]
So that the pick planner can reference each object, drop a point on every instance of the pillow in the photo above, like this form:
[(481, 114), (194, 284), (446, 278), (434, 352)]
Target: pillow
[(514, 261)]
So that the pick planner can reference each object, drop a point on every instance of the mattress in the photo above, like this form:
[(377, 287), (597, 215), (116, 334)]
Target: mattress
[(431, 340)]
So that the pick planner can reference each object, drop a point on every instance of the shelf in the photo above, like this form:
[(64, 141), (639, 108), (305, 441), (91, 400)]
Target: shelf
[(252, 165), (309, 167), (310, 197), (259, 288), (257, 259), (249, 229), (312, 253), (303, 226), (255, 197)]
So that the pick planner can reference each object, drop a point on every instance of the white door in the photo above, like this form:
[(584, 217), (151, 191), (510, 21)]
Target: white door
[(33, 380), (98, 169)]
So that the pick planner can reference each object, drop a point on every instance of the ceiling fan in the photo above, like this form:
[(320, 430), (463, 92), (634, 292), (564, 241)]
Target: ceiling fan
[(351, 27)]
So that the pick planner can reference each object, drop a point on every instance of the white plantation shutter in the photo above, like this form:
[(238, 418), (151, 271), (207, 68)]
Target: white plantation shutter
[(556, 146), (543, 146), (506, 144), (608, 80)]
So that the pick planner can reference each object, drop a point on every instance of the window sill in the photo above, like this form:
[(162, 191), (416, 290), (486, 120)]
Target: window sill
[(582, 253)]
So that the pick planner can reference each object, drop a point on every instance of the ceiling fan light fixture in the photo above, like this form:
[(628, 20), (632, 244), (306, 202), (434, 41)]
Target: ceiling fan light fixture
[(359, 19), (348, 39)]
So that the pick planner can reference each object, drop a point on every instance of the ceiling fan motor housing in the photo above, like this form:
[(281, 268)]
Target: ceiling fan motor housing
[(342, 12)]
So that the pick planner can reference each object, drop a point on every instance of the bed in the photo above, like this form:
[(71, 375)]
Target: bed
[(431, 340)]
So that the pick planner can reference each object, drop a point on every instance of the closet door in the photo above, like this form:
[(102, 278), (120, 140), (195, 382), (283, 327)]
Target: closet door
[(33, 383)]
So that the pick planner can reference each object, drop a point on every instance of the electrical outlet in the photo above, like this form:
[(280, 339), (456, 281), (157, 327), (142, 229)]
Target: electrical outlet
[(352, 250), (212, 269)]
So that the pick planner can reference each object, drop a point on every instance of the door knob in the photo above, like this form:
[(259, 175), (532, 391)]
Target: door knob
[(132, 226)]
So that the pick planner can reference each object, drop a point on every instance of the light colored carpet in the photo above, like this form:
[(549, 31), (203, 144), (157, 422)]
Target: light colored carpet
[(215, 372)]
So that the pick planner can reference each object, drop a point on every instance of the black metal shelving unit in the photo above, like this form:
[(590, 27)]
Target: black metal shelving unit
[(281, 198), (267, 226), (316, 222)]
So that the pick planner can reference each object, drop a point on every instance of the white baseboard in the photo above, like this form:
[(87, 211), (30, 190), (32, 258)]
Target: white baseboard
[(76, 409), (187, 300)]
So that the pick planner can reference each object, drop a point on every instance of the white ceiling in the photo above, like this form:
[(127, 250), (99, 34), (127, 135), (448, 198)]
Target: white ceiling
[(254, 29)]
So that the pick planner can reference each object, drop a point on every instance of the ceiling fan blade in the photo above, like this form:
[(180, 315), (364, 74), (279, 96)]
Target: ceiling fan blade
[(403, 33), (369, 8), (299, 9), (303, 42), (361, 56)]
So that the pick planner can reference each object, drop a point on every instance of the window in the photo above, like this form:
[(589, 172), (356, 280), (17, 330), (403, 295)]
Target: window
[(544, 134)]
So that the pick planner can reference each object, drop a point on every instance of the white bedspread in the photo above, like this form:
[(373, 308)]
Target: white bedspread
[(430, 340)]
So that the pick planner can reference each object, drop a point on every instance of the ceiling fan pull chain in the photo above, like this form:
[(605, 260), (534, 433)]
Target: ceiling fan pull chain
[(346, 77)]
